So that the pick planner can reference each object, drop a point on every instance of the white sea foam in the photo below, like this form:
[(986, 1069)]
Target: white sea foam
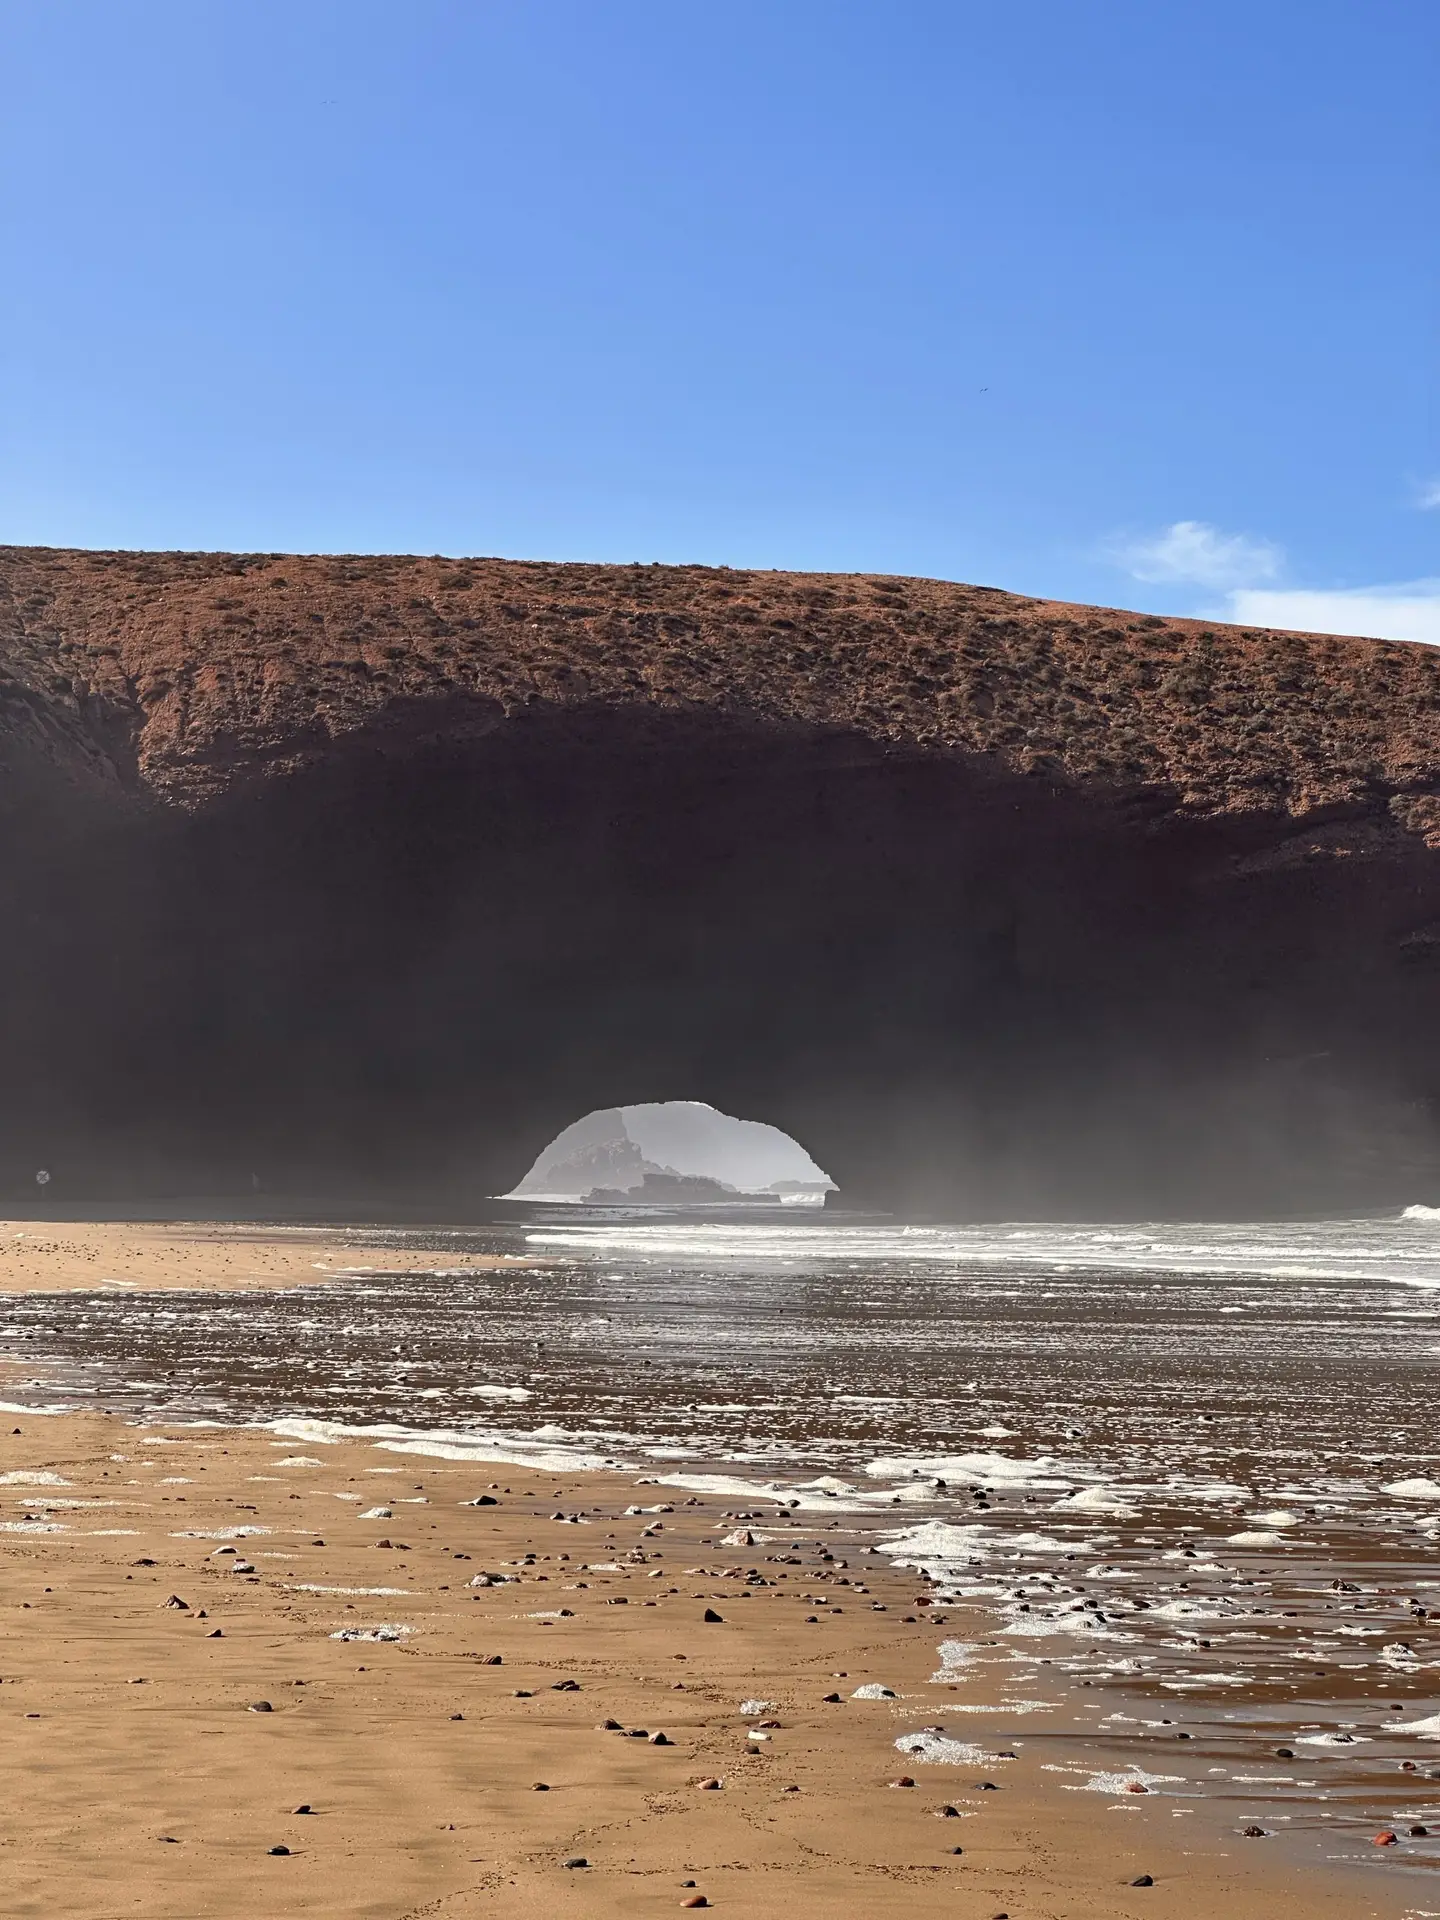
[(726, 1484), (218, 1533), (43, 1503), (34, 1478), (954, 1655), (933, 1747), (938, 1546), (1413, 1489), (1427, 1729), (976, 1469), (1098, 1500), (1134, 1780), (1004, 1706), (370, 1593), (873, 1690), (535, 1450)]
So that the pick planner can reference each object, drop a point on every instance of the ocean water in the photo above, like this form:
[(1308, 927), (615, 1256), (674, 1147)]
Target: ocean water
[(1187, 1477)]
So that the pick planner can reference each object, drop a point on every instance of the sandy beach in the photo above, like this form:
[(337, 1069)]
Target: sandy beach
[(350, 1678), (203, 1257)]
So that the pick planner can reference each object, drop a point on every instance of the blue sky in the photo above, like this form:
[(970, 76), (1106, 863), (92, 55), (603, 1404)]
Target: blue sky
[(1121, 301)]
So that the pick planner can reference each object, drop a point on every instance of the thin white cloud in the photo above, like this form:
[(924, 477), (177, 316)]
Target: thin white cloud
[(1200, 555), (1429, 494), (1408, 611)]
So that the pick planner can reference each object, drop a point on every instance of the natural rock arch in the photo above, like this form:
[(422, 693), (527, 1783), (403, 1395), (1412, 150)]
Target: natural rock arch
[(1002, 908)]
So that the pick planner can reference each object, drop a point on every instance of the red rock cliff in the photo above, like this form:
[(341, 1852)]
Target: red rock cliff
[(363, 876)]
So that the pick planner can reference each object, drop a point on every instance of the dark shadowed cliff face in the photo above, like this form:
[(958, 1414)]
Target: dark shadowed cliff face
[(362, 877)]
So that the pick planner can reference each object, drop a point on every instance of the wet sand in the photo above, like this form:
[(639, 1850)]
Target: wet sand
[(46, 1257), (147, 1785), (143, 1780)]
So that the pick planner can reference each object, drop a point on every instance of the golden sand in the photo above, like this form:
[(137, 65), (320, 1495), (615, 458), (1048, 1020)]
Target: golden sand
[(456, 1769), (37, 1256)]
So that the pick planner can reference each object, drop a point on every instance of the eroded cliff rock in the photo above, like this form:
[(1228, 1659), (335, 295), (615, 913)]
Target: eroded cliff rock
[(366, 875), (190, 672)]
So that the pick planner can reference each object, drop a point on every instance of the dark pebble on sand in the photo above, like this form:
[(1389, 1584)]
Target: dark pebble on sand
[(279, 1850), (1143, 1880), (260, 1706), (579, 1859), (304, 1807), (712, 1618)]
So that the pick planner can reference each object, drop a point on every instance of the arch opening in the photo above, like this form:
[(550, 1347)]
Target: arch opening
[(674, 1152)]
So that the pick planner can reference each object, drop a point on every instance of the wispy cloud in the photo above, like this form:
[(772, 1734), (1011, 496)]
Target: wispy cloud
[(1194, 552), (1428, 494), (1245, 570), (1408, 611)]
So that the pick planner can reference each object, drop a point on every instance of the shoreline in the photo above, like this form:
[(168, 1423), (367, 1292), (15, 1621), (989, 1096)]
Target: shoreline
[(146, 1764)]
